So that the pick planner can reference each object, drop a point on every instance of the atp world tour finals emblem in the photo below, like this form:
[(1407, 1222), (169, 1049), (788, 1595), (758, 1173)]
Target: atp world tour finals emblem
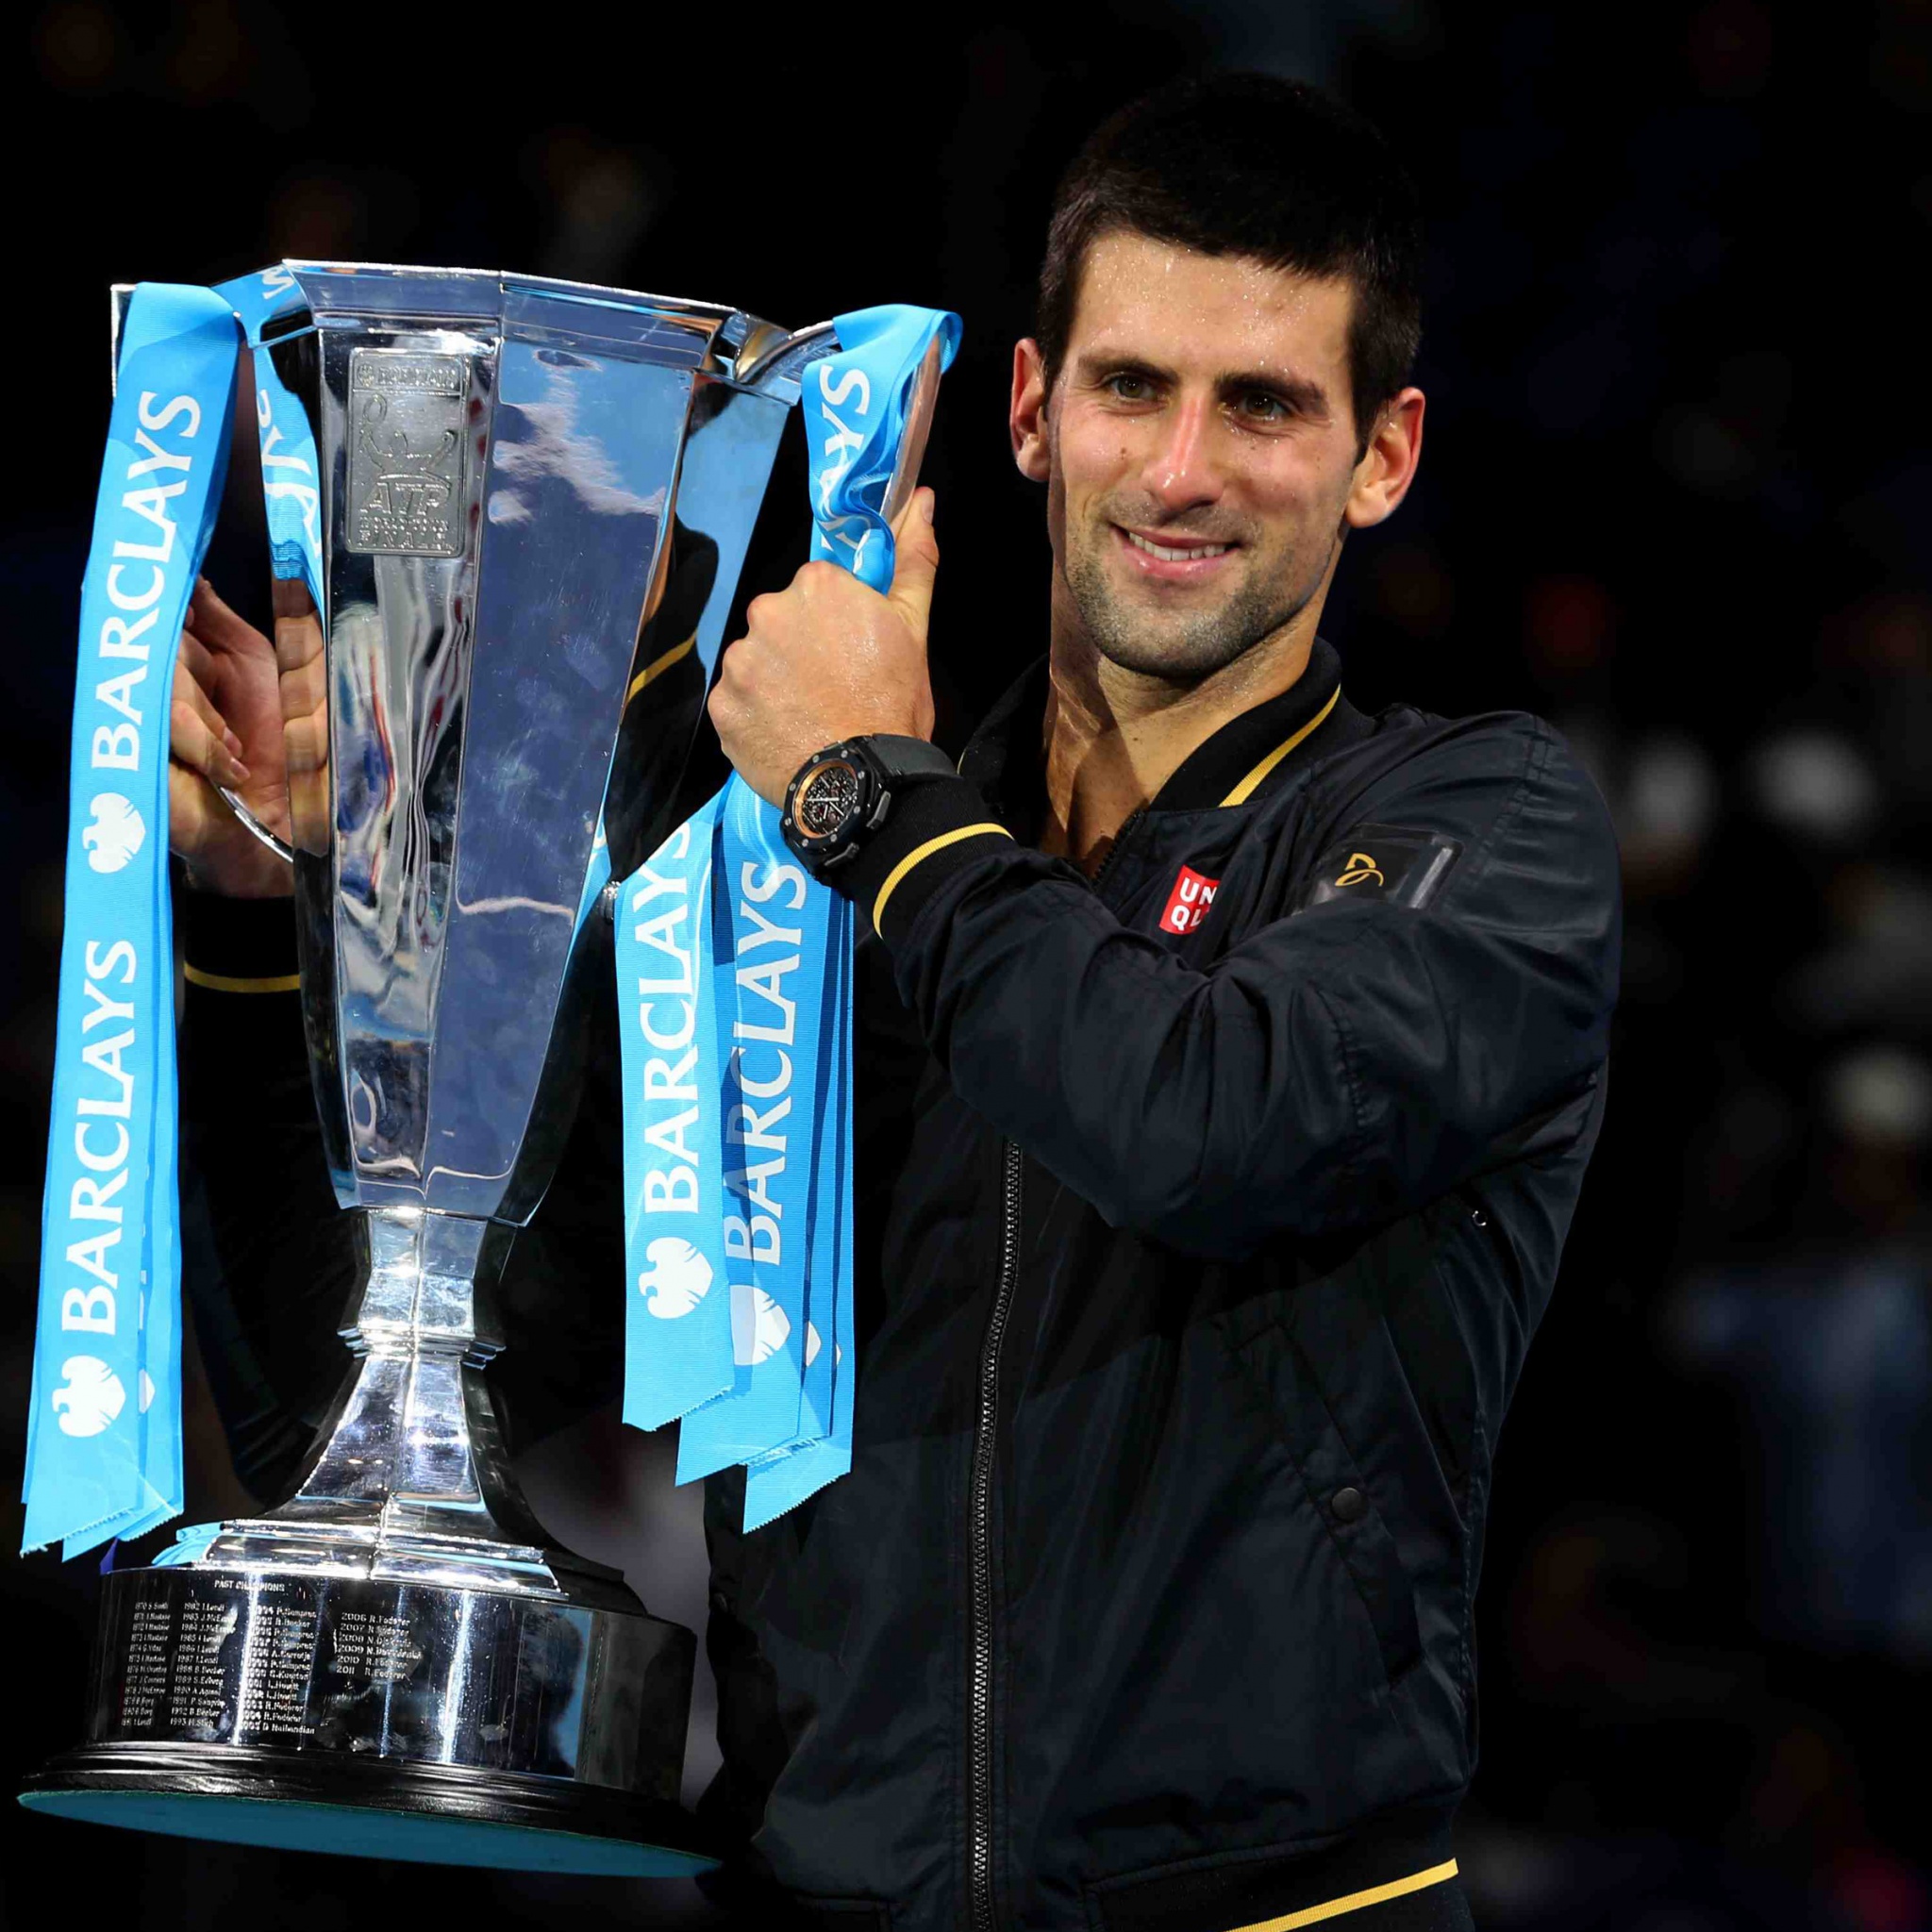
[(406, 453)]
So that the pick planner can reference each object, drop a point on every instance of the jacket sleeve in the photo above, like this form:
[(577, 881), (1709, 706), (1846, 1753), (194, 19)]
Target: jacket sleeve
[(1336, 1067)]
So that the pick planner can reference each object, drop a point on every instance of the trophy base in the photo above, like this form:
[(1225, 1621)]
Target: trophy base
[(425, 1814), (284, 1696)]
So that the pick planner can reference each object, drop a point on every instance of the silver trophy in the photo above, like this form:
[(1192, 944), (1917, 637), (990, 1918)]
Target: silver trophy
[(526, 487)]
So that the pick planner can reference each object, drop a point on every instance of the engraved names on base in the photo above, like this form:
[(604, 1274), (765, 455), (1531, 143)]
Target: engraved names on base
[(276, 1665), (259, 1663), (173, 1676), (145, 1665), (374, 1648), (228, 1657), (197, 1689)]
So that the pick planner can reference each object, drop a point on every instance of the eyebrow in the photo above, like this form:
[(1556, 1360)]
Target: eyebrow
[(1301, 393)]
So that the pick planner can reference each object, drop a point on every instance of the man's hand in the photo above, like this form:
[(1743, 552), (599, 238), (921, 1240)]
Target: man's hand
[(827, 659), (249, 715)]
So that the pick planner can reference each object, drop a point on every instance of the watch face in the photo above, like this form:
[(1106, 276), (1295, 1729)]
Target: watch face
[(826, 800)]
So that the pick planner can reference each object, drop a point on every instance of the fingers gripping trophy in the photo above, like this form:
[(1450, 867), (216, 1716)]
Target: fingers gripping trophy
[(491, 499)]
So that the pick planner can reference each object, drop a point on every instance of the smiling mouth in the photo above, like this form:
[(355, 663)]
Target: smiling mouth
[(1176, 560), (1187, 550)]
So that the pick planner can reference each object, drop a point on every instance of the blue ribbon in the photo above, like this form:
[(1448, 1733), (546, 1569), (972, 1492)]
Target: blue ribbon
[(855, 407), (784, 1476), (756, 1199), (104, 1430), (776, 1081), (669, 955), (291, 475)]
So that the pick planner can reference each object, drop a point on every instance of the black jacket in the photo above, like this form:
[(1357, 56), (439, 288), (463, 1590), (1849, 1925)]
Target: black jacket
[(1198, 1258)]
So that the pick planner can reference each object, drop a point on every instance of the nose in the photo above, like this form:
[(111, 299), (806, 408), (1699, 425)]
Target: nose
[(1180, 471)]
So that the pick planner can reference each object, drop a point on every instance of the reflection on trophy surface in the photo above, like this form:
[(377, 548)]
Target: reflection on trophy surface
[(524, 486), (301, 661)]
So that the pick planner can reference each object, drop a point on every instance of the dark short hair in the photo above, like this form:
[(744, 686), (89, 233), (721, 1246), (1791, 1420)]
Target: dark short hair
[(1250, 165)]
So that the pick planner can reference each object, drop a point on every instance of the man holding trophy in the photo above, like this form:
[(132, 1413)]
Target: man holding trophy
[(1227, 1064)]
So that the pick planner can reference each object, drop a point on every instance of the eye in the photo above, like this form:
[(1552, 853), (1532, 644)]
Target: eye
[(1258, 406), (1129, 386)]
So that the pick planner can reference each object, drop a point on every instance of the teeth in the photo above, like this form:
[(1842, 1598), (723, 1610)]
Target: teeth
[(1170, 554)]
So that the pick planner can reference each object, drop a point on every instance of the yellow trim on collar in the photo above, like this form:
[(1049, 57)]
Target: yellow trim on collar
[(912, 858), (1243, 792), (221, 982), (1377, 1894), (658, 666)]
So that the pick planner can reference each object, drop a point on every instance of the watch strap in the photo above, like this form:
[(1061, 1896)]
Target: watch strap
[(898, 756)]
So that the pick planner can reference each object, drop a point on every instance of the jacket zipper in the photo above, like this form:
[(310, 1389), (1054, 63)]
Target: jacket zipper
[(979, 1522), (979, 1531), (1120, 839)]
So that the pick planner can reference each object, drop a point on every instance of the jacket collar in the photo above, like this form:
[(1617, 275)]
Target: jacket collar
[(1250, 756)]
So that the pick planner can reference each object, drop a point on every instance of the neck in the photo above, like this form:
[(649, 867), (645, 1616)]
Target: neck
[(1114, 736)]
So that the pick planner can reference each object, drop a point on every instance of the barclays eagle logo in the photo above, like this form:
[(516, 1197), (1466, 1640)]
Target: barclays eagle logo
[(758, 1325), (676, 1280), (116, 833), (90, 1397)]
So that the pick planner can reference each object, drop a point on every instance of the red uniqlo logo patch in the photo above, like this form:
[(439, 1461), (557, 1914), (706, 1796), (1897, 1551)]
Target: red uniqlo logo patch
[(1188, 904)]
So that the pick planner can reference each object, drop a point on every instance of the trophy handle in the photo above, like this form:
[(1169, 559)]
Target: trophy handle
[(777, 364), (772, 361), (925, 393), (280, 847)]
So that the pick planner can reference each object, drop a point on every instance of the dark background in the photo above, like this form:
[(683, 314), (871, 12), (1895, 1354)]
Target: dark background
[(1674, 498)]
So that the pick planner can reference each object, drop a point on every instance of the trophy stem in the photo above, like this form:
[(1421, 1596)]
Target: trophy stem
[(412, 1447), (410, 1480)]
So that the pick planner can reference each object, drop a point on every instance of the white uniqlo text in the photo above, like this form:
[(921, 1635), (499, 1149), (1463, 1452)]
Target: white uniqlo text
[(1188, 904)]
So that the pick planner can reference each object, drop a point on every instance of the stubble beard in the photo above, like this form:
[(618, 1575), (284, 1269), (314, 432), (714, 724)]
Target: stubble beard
[(1184, 645)]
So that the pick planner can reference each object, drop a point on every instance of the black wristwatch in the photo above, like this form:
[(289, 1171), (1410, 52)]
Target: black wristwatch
[(843, 793)]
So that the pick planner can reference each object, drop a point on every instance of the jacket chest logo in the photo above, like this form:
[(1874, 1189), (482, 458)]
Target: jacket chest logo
[(1188, 904), (1401, 865)]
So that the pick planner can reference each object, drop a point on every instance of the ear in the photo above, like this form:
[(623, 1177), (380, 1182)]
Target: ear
[(1388, 466), (1026, 414)]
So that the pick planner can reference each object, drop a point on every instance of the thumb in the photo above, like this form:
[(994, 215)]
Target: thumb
[(916, 561)]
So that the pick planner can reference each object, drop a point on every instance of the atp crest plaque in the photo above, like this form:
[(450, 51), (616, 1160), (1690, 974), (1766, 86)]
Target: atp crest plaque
[(406, 453)]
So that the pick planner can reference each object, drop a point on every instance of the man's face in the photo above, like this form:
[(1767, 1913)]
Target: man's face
[(1200, 452)]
